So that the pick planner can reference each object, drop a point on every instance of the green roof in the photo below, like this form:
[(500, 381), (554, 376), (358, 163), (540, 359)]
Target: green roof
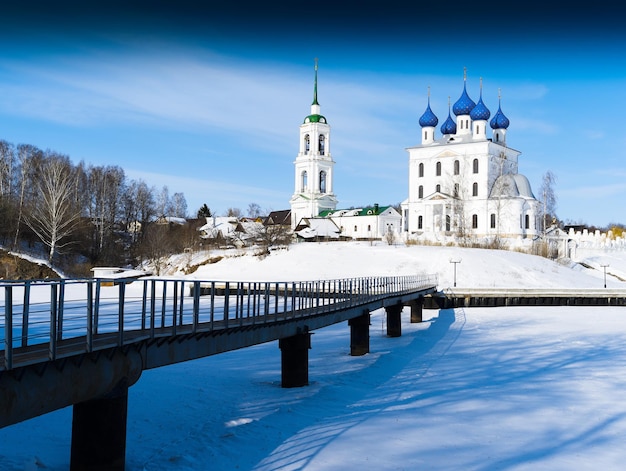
[(367, 211), (315, 118)]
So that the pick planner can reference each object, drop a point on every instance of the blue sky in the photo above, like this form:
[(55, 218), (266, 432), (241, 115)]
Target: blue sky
[(208, 100)]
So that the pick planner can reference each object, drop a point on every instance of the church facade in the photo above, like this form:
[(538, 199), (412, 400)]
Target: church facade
[(313, 167), (462, 182), (314, 196)]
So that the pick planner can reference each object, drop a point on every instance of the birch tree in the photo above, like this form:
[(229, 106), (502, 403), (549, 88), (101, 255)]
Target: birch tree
[(29, 157), (53, 216), (548, 199)]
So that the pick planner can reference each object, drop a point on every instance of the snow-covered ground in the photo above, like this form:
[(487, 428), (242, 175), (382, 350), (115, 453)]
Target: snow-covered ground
[(519, 388)]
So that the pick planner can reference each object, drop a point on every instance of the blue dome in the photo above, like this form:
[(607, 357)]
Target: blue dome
[(499, 121), (463, 105), (449, 127), (480, 111), (428, 119)]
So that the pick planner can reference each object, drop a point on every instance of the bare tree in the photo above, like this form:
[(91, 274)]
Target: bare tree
[(54, 215), (29, 158), (234, 212), (105, 188), (163, 201), (178, 206), (548, 199), (254, 210)]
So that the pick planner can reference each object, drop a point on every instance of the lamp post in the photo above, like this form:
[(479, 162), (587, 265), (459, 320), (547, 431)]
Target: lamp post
[(455, 262), (604, 267)]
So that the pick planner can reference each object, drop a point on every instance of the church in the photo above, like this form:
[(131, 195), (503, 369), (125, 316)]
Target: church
[(314, 212), (463, 183)]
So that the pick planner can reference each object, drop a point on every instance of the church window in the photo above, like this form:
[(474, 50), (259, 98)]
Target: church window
[(475, 189), (420, 220), (321, 141), (456, 190), (354, 228), (421, 170), (307, 144), (477, 129), (474, 221), (322, 181), (497, 137), (457, 167), (438, 188), (369, 228), (304, 181), (438, 169), (425, 135), (527, 221), (447, 222), (420, 192), (493, 221), (475, 166)]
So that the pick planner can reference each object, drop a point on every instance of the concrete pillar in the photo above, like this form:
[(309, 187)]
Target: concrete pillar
[(360, 334), (394, 326), (99, 433), (295, 360), (416, 310)]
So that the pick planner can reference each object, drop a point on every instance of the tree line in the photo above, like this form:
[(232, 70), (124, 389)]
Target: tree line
[(80, 213)]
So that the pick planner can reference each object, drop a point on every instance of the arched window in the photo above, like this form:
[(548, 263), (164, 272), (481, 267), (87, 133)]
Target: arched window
[(527, 221), (420, 220), (321, 140), (447, 222), (420, 192), (475, 189), (438, 169), (425, 135), (304, 182), (307, 144), (438, 188), (421, 170), (493, 221), (322, 181), (457, 167), (474, 221), (475, 166)]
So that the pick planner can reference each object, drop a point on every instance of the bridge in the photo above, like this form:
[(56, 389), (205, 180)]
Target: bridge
[(83, 343)]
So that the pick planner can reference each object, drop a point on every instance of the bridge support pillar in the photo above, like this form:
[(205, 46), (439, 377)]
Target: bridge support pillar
[(416, 310), (295, 360), (99, 433), (394, 325), (360, 334)]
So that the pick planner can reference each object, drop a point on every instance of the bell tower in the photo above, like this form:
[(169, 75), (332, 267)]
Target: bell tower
[(313, 166)]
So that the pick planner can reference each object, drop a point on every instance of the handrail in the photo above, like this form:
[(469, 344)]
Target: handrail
[(82, 311)]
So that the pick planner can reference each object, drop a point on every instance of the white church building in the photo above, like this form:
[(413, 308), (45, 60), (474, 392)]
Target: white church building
[(464, 183), (314, 196)]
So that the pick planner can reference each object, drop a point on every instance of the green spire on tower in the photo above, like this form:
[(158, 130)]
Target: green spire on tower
[(315, 86)]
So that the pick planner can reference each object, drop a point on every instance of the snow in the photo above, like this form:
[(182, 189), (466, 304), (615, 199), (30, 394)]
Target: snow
[(515, 388)]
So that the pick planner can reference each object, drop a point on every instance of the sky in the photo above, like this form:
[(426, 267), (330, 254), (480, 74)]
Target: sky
[(507, 388), (207, 99)]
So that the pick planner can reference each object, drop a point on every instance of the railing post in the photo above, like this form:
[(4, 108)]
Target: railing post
[(120, 313), (212, 307), (226, 301), (174, 306), (196, 305), (96, 308), (8, 327), (25, 313), (163, 304), (152, 307), (144, 305), (89, 339), (60, 310), (52, 349), (182, 298)]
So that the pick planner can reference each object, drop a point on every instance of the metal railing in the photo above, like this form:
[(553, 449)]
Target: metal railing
[(92, 314)]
